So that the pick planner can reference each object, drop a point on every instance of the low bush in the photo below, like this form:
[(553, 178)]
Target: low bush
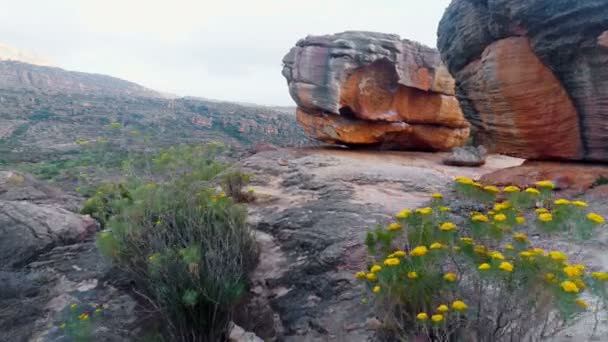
[(186, 246), (482, 280), (233, 183)]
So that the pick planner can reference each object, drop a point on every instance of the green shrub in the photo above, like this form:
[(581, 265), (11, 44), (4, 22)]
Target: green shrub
[(186, 247), (484, 280), (233, 184)]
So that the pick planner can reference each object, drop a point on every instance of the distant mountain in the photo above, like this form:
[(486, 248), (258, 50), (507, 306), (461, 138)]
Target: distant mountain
[(46, 111), (16, 75)]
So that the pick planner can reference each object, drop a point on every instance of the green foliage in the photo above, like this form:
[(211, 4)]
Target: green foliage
[(482, 280), (187, 248), (600, 181), (233, 183)]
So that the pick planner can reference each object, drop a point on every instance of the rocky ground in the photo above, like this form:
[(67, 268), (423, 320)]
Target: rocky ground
[(312, 211)]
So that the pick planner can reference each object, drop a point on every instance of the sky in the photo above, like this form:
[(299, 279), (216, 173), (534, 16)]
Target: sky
[(221, 49)]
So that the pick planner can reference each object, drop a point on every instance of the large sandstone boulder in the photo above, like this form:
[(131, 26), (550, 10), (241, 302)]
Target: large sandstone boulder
[(532, 75), (364, 88)]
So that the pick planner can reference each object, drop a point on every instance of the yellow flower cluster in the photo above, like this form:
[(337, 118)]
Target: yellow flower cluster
[(436, 245), (480, 218), (447, 226), (500, 217), (459, 305), (424, 211), (419, 251), (394, 226), (451, 277), (532, 191), (569, 286), (561, 201), (491, 188), (545, 217), (502, 206), (464, 180), (392, 262), (596, 218), (558, 256), (437, 196), (545, 184), (511, 189), (403, 214)]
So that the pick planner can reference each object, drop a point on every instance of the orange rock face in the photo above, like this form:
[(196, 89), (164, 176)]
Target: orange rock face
[(362, 88), (531, 76), (334, 129), (537, 118)]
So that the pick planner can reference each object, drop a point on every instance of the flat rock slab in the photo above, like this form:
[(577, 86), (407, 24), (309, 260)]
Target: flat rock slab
[(317, 207)]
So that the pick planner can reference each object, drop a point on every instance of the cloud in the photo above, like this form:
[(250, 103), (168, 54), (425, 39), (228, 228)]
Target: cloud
[(228, 49)]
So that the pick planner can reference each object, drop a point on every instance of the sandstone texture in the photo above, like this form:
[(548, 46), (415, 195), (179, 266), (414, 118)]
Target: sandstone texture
[(49, 261), (363, 88), (531, 75)]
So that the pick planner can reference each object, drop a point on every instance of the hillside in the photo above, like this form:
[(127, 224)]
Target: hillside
[(51, 118)]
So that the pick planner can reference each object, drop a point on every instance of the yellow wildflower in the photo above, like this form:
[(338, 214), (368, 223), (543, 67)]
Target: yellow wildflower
[(561, 201), (394, 226), (558, 256), (545, 217), (464, 180), (424, 211), (412, 275), (538, 251), (480, 218), (451, 277), (572, 271), (526, 254), (580, 204), (443, 308), (480, 249), (491, 188), (496, 255), (502, 206), (467, 240), (520, 237), (73, 306), (375, 269), (603, 276), (532, 191), (371, 276), (549, 277), (506, 266), (520, 220), (399, 254), (582, 303), (437, 318), (580, 267), (98, 310), (484, 267), (500, 218), (422, 316), (403, 214), (360, 275), (377, 289), (545, 184), (511, 188), (437, 196), (509, 246), (541, 211), (419, 251), (447, 226), (83, 316), (580, 283), (595, 218), (436, 245), (477, 185), (444, 209), (569, 286), (391, 262), (491, 213), (459, 306), (364, 300)]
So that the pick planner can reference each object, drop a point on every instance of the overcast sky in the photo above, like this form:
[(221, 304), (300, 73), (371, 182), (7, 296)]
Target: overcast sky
[(221, 49)]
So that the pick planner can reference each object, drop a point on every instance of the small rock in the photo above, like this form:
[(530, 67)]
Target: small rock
[(466, 156), (238, 334)]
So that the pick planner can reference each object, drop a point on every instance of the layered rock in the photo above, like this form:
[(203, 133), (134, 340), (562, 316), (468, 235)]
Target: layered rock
[(363, 88), (532, 76)]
